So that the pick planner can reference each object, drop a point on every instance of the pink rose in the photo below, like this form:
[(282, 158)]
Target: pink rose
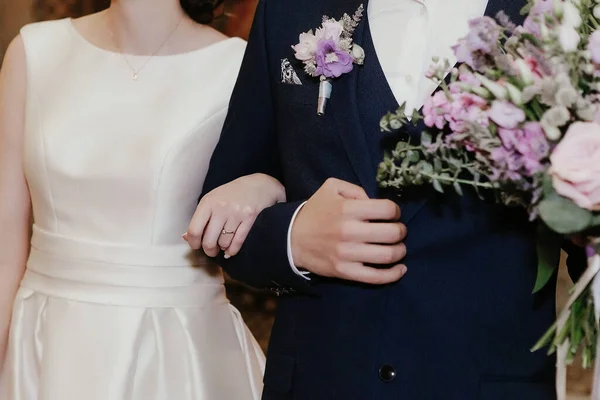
[(576, 165)]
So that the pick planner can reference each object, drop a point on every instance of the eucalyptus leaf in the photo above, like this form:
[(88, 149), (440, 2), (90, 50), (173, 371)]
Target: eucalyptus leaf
[(564, 216), (413, 156), (426, 138), (458, 188), (438, 186), (548, 252)]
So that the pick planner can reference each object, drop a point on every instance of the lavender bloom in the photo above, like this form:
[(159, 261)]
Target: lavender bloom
[(483, 35), (507, 165), (524, 150), (332, 61), (534, 147), (505, 21), (532, 22), (481, 41)]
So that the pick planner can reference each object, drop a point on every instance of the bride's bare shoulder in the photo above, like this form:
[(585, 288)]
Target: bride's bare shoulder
[(88, 21), (14, 61), (204, 36)]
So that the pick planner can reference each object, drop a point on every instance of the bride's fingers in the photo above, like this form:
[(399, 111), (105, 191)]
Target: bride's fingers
[(211, 235), (238, 239), (197, 226), (228, 232)]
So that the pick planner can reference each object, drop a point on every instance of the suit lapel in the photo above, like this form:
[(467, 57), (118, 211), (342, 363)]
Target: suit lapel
[(343, 108)]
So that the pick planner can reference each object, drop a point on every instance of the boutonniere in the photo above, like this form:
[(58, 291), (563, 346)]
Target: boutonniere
[(329, 52)]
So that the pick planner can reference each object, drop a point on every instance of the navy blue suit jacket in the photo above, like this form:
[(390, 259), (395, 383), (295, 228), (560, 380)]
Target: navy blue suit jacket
[(462, 321)]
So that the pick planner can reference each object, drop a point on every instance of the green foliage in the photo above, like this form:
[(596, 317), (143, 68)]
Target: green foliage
[(562, 215)]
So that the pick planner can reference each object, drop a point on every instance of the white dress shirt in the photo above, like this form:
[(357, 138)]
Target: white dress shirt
[(407, 34)]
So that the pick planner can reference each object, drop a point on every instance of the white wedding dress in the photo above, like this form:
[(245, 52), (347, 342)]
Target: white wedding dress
[(114, 305)]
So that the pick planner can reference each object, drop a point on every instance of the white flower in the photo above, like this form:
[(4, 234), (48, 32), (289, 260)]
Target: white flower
[(330, 30), (515, 94), (552, 132), (497, 90), (307, 47), (558, 7), (568, 38), (358, 53), (524, 71), (597, 12), (571, 15)]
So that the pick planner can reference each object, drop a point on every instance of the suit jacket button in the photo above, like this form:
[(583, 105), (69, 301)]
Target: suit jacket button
[(387, 373)]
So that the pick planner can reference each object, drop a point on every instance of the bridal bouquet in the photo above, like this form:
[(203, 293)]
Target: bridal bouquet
[(519, 117)]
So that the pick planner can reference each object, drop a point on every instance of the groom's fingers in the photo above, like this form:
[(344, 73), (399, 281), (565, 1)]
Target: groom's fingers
[(373, 253), (374, 276), (372, 210), (374, 232), (347, 190)]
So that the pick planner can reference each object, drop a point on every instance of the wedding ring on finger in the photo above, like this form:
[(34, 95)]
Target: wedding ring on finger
[(224, 232)]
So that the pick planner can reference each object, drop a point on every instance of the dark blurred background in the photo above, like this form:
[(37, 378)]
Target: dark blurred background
[(16, 13)]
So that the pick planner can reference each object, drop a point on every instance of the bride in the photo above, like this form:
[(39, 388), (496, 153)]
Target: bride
[(107, 125)]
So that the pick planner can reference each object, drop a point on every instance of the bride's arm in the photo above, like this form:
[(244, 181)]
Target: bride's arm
[(225, 215), (15, 203)]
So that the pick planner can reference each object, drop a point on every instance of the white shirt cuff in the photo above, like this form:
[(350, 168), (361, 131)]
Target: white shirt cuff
[(303, 274)]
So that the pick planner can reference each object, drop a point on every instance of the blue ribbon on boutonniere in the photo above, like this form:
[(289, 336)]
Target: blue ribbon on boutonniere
[(329, 52)]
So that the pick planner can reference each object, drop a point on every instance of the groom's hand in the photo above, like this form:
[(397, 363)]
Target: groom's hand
[(335, 235)]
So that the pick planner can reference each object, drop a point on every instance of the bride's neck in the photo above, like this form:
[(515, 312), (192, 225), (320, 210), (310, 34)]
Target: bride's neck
[(141, 25)]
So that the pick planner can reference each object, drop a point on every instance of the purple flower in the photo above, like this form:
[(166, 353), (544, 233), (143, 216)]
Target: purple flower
[(467, 108), (483, 35), (528, 145), (534, 144), (507, 165), (435, 109), (506, 114), (463, 53), (332, 61), (481, 40), (594, 46), (532, 22), (469, 78)]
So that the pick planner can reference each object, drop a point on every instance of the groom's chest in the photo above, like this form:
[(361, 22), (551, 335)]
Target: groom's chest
[(404, 36), (399, 38)]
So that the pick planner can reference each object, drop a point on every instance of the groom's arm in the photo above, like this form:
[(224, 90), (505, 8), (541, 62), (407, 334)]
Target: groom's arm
[(248, 145)]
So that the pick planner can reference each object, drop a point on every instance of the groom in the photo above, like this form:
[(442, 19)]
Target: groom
[(353, 323)]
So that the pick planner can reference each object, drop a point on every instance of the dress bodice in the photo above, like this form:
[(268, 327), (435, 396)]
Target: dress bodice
[(115, 160)]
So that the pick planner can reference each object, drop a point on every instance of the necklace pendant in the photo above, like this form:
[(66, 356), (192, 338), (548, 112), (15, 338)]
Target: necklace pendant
[(135, 76)]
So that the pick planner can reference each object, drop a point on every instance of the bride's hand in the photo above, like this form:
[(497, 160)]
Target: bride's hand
[(224, 216)]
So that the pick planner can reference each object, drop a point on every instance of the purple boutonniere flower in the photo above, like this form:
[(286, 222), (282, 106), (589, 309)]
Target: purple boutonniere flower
[(329, 52), (332, 61)]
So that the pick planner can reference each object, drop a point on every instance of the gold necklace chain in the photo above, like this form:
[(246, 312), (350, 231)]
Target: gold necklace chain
[(135, 71)]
